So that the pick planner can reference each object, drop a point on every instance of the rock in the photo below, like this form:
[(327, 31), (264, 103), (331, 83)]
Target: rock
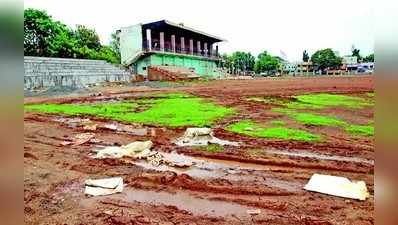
[(253, 211)]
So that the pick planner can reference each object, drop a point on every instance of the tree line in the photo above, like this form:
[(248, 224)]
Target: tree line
[(327, 58), (243, 62), (45, 37)]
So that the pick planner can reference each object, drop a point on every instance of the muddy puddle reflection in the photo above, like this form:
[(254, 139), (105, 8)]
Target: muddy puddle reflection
[(181, 200), (205, 168)]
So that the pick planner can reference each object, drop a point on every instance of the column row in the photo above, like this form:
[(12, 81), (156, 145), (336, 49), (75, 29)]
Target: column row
[(207, 50)]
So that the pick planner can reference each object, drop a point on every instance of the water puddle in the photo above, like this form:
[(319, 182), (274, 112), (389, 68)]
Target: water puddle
[(204, 168), (180, 200), (305, 154)]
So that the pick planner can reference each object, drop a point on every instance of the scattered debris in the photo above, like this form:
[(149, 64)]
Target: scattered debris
[(110, 126), (176, 160), (142, 150), (79, 139), (72, 122), (134, 149), (126, 128), (253, 211), (201, 137), (337, 186), (90, 126), (105, 186)]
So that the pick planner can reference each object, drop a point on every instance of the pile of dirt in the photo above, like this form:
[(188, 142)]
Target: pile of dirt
[(55, 91)]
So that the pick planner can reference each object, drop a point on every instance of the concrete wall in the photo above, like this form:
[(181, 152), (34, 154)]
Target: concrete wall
[(130, 43), (45, 72), (201, 66)]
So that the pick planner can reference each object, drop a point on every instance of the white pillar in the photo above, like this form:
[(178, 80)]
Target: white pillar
[(173, 43), (198, 47), (191, 46), (182, 45), (149, 39), (161, 40), (205, 48)]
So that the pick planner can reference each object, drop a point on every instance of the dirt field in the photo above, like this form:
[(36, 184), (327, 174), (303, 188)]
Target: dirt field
[(262, 173)]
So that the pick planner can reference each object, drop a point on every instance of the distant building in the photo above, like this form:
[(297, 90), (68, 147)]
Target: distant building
[(305, 67), (347, 60), (164, 43), (286, 66)]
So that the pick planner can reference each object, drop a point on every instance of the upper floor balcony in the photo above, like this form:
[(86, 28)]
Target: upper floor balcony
[(178, 49)]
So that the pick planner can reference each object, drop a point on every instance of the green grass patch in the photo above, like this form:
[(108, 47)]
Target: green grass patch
[(302, 105), (311, 118), (363, 130), (323, 100), (278, 123), (370, 94), (253, 129), (212, 148), (316, 101), (176, 109), (320, 120)]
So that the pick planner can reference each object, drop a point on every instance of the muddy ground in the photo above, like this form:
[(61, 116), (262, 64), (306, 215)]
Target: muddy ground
[(263, 174)]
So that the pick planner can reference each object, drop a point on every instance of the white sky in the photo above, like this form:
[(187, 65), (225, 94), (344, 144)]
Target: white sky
[(251, 25)]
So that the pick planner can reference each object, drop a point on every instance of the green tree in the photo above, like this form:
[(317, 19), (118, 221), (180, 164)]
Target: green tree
[(242, 61), (108, 54), (326, 58), (45, 37), (369, 58), (40, 31), (266, 63), (306, 57), (63, 44), (226, 63), (87, 37), (355, 52), (115, 44)]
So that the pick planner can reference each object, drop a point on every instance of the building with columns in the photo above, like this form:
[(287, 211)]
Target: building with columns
[(164, 43)]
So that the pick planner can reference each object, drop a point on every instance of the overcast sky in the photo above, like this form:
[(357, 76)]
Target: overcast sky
[(289, 26)]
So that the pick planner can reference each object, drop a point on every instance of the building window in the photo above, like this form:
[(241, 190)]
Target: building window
[(144, 68)]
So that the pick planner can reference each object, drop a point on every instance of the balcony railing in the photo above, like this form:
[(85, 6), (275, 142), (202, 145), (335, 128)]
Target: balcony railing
[(186, 51)]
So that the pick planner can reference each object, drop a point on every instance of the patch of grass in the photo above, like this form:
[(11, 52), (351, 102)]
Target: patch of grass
[(251, 128), (316, 101), (370, 94), (320, 120), (278, 123), (302, 105), (363, 130), (176, 109), (212, 148), (311, 118), (100, 110), (332, 100)]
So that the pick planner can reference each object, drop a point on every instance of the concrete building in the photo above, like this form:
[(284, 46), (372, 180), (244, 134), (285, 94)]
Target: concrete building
[(305, 67), (349, 60), (165, 45)]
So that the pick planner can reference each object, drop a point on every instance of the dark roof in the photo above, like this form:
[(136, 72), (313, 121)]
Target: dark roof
[(166, 23)]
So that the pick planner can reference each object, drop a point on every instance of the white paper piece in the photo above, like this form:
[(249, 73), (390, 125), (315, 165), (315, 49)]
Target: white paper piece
[(132, 149), (337, 186), (201, 137), (105, 186)]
